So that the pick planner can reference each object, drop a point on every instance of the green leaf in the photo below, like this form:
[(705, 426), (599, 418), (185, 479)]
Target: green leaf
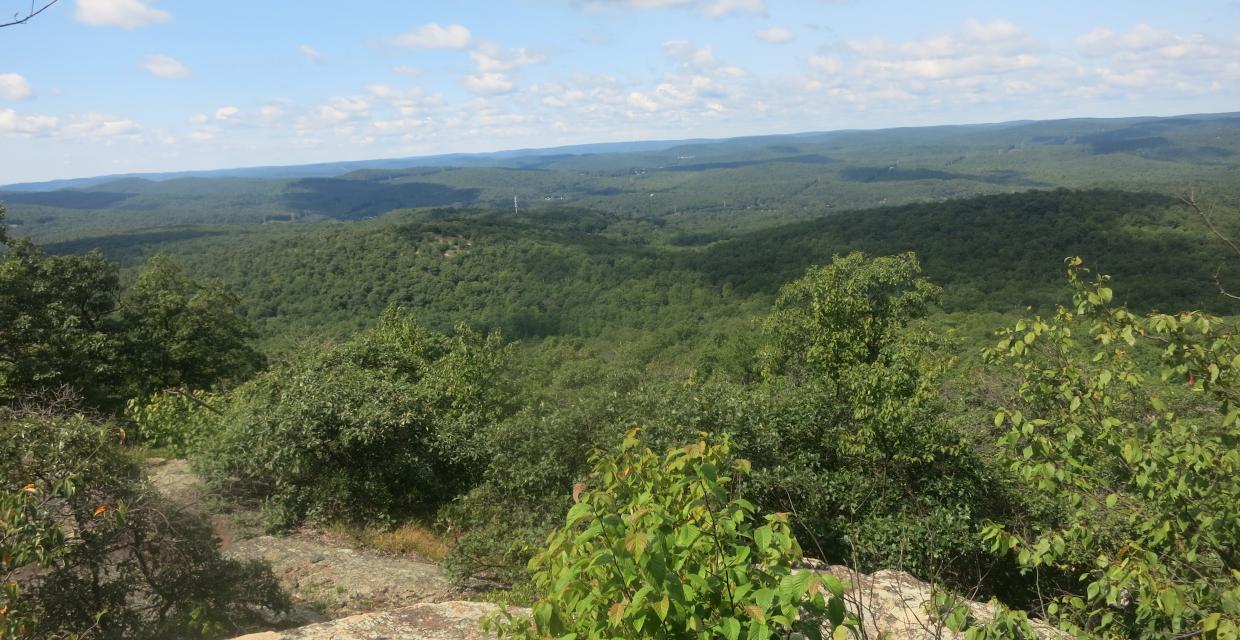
[(793, 586), (660, 607)]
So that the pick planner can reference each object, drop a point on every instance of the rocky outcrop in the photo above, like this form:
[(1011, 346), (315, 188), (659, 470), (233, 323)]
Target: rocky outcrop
[(891, 605), (442, 621), (896, 606)]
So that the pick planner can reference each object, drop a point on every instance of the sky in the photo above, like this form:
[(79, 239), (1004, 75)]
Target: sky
[(93, 87)]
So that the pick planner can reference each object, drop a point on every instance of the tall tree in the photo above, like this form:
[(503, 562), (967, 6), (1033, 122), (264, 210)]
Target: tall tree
[(56, 327)]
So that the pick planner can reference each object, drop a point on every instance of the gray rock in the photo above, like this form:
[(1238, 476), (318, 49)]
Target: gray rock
[(442, 621)]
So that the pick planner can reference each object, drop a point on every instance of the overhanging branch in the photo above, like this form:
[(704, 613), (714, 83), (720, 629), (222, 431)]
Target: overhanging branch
[(18, 19)]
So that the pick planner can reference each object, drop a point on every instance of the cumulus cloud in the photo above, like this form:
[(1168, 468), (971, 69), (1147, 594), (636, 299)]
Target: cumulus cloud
[(489, 83), (435, 36), (310, 53), (94, 126), (166, 67), (978, 49), (1151, 59), (12, 123), (227, 113), (710, 8), (489, 58), (126, 14), (775, 35), (405, 70), (494, 67), (14, 87)]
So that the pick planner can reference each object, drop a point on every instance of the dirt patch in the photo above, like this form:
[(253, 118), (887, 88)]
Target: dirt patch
[(327, 575)]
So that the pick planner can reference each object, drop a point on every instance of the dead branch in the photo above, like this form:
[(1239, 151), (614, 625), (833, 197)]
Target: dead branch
[(1190, 200), (18, 19)]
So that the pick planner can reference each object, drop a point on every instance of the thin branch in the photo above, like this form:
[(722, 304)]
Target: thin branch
[(1191, 201), (189, 395), (30, 15)]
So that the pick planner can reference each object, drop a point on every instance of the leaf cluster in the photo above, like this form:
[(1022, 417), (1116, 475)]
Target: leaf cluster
[(665, 547)]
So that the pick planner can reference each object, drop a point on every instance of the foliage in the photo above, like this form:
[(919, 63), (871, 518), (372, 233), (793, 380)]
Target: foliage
[(65, 323), (91, 551), (1149, 482), (380, 427), (849, 431), (179, 421), (56, 326), (183, 333), (29, 540), (664, 547)]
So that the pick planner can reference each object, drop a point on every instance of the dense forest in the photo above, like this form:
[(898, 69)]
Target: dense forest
[(963, 369)]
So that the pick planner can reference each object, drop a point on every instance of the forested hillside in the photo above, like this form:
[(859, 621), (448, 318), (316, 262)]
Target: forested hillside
[(697, 187), (1001, 358)]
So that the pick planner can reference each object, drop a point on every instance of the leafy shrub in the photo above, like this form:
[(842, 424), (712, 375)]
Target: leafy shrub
[(848, 428), (378, 428), (1149, 480), (178, 421), (664, 547), (89, 548)]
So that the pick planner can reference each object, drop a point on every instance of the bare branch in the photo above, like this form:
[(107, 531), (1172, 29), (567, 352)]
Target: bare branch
[(189, 395), (18, 19), (1191, 201)]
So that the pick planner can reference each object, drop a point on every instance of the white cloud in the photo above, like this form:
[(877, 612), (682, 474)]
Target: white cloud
[(978, 49), (699, 59), (271, 113), (227, 113), (310, 53), (642, 101), (719, 8), (1142, 37), (710, 8), (405, 70), (13, 87), (199, 118), (775, 35), (351, 104), (93, 126), (488, 83), (435, 36), (488, 58), (126, 14), (13, 124), (825, 64), (166, 67)]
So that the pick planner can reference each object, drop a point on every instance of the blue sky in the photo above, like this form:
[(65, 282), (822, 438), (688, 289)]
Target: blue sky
[(106, 86)]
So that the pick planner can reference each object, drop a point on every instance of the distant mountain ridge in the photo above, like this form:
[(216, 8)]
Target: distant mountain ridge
[(522, 157), (333, 169)]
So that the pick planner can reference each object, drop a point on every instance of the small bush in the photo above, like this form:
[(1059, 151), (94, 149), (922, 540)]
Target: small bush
[(664, 547), (176, 421), (89, 549)]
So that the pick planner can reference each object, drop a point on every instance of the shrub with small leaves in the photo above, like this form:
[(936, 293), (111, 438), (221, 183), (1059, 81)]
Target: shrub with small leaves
[(664, 547)]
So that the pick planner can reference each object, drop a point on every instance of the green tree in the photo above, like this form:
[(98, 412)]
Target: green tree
[(183, 333), (56, 324), (847, 427), (1130, 423)]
